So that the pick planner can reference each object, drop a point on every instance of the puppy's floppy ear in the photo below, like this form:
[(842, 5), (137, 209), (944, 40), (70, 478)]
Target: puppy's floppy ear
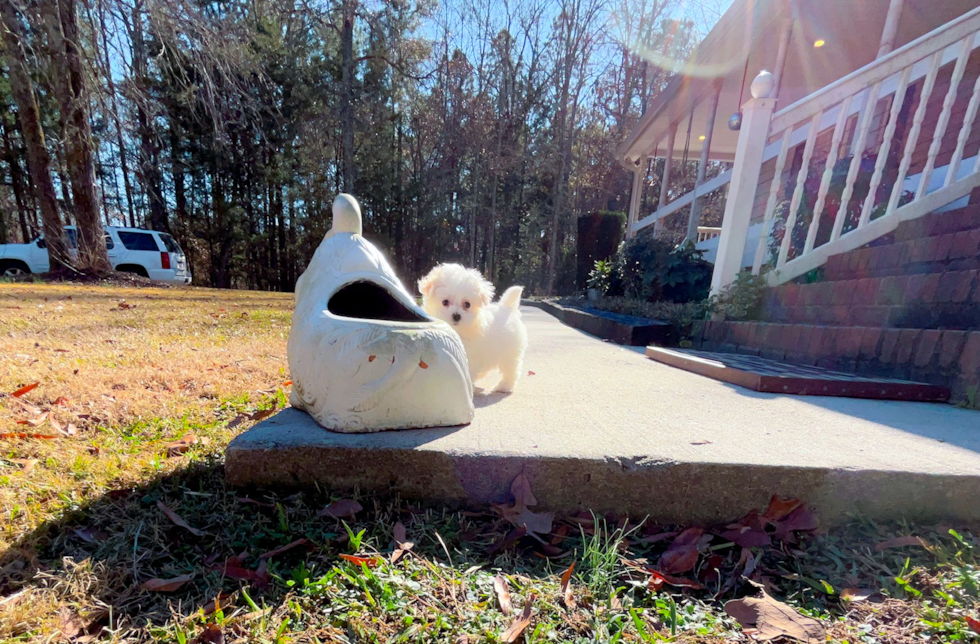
[(427, 283)]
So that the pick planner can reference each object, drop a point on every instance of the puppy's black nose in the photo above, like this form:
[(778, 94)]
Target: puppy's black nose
[(456, 317)]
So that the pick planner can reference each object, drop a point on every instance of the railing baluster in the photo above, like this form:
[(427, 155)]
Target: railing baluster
[(852, 170), (760, 249), (968, 118), (920, 115), (940, 131), (828, 172), (886, 145), (811, 137)]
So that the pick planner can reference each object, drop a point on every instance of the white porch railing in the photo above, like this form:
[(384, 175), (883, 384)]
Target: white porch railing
[(855, 225), (708, 232)]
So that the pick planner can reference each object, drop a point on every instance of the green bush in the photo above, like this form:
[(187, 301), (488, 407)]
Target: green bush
[(599, 235), (600, 275), (679, 316), (742, 299), (653, 270)]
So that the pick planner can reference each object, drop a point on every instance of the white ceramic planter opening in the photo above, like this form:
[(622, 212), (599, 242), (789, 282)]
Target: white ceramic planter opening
[(364, 357)]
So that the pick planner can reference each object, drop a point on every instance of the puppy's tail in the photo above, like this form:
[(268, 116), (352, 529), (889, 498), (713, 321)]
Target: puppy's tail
[(511, 298)]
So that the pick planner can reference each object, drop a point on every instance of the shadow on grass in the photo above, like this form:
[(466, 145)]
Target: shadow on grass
[(82, 575)]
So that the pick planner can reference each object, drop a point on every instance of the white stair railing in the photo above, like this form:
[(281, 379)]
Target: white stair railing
[(918, 63)]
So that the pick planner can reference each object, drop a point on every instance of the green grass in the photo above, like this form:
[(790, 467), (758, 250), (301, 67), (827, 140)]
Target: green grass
[(81, 530)]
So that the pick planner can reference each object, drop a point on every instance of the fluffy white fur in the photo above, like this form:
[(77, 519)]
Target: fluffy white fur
[(492, 332)]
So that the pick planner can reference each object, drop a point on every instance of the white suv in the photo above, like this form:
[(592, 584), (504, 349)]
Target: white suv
[(149, 253)]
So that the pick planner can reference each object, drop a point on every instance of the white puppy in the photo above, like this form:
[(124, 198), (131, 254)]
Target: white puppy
[(493, 333)]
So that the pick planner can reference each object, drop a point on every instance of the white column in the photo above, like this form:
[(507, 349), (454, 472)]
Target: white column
[(636, 196), (665, 179), (694, 218), (756, 115), (890, 28)]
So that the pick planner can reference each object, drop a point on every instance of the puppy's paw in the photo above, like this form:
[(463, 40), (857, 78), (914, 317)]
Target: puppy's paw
[(505, 388)]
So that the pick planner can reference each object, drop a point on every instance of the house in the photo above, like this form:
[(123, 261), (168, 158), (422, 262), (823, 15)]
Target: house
[(853, 186)]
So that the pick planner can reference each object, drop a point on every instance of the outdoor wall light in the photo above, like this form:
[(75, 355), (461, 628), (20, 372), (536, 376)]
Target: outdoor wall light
[(820, 42), (701, 138), (735, 122)]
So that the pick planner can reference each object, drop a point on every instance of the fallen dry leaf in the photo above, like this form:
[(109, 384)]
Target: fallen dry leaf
[(566, 587), (178, 521), (166, 585), (536, 523), (780, 507), (237, 420), (90, 535), (402, 544), (233, 569), (221, 599), (531, 373), (973, 623), (522, 621), (262, 414), (342, 509), (248, 501), (26, 464), (7, 435), (23, 390), (658, 579), (285, 548), (901, 542), (211, 634), (773, 619), (502, 590), (37, 421), (370, 562), (701, 443), (856, 594), (181, 445), (682, 555), (60, 401)]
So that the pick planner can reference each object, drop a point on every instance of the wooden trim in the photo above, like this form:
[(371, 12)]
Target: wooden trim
[(936, 40)]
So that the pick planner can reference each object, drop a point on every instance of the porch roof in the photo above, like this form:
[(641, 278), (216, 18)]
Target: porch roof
[(750, 32)]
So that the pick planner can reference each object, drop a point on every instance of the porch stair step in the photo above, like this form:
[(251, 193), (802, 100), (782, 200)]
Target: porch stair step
[(931, 254), (943, 357), (773, 376), (949, 299)]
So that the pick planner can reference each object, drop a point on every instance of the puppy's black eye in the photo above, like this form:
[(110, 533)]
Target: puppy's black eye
[(445, 302), (466, 305)]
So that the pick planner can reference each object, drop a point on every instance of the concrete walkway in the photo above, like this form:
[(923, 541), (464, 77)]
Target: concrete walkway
[(600, 426)]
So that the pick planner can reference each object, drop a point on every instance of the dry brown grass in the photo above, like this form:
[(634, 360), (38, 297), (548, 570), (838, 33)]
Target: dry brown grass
[(130, 368)]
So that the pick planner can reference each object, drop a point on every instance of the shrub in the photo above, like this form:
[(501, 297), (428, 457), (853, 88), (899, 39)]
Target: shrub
[(600, 275), (599, 235), (651, 269), (742, 298)]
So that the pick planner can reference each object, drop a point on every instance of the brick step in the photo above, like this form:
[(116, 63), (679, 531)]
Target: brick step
[(948, 358), (939, 223), (925, 301), (936, 254)]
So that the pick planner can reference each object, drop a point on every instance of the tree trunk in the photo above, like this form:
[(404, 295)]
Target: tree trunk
[(349, 9), (77, 134), (149, 169), (111, 86), (16, 178), (38, 161)]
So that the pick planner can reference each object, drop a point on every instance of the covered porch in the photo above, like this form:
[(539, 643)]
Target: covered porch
[(834, 92)]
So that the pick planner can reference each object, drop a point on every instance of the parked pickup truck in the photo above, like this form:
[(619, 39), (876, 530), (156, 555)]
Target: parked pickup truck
[(149, 253)]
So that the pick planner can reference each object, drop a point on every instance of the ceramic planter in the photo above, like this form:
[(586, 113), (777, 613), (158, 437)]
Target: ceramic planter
[(363, 356)]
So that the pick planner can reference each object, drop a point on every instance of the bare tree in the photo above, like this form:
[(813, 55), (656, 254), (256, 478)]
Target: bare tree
[(38, 160), (576, 40), (63, 38)]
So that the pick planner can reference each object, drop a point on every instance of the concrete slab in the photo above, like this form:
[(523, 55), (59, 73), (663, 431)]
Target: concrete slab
[(600, 426)]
